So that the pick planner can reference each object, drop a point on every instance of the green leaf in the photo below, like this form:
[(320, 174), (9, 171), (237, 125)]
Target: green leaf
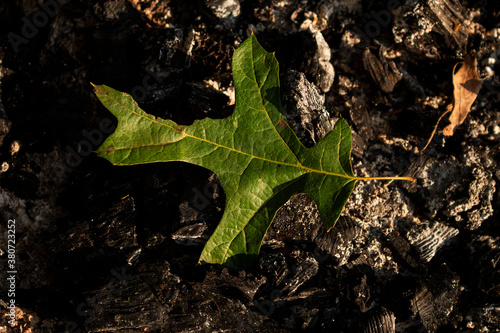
[(255, 154)]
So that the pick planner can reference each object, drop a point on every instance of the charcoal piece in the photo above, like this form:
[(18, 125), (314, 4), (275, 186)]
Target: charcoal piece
[(436, 297), (311, 310), (287, 278), (401, 250), (363, 124), (304, 109), (163, 283), (424, 306), (338, 242), (222, 301), (132, 301), (360, 259), (108, 239), (450, 18), (191, 234), (195, 100), (166, 91), (206, 99), (358, 145), (489, 273), (173, 51), (355, 103), (116, 226), (383, 71), (398, 293), (134, 255), (301, 273), (188, 214), (274, 267), (378, 320), (429, 27), (199, 211), (486, 256), (412, 83), (444, 285), (363, 295), (234, 285), (311, 55), (355, 284), (429, 237), (306, 315), (76, 237)]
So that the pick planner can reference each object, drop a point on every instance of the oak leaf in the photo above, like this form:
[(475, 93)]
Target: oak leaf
[(255, 154)]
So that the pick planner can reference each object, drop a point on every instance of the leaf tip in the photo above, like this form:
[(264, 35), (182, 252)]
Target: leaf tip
[(448, 130), (341, 121), (97, 88)]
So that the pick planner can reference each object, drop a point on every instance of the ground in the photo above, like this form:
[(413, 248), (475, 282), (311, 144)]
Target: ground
[(101, 248)]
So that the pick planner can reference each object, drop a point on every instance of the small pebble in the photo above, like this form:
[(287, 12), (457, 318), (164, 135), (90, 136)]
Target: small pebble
[(14, 147)]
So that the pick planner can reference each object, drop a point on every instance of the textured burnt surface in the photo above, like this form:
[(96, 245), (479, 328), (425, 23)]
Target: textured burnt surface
[(115, 249)]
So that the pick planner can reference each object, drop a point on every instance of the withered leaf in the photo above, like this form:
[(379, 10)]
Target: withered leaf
[(466, 86)]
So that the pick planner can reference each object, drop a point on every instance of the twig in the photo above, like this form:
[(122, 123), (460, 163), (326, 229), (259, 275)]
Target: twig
[(435, 127)]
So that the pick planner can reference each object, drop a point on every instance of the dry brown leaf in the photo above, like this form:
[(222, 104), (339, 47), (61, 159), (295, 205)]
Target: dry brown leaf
[(466, 86)]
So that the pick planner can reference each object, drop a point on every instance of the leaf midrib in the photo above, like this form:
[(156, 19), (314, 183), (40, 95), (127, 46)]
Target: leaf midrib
[(259, 88), (300, 166)]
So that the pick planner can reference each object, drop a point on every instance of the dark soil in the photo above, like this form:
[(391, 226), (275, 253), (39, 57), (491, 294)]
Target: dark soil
[(101, 248)]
